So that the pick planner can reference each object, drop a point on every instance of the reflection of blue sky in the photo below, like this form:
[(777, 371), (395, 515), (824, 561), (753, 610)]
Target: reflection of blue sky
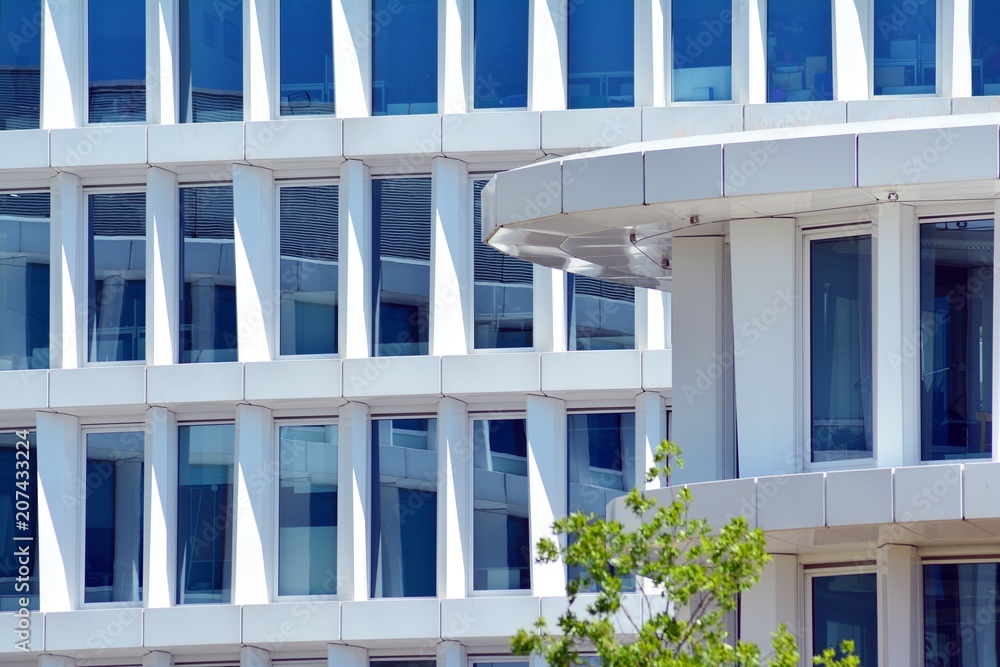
[(19, 26), (306, 46), (116, 47), (404, 56)]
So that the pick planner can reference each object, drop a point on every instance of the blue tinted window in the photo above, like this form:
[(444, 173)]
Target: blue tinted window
[(208, 270), (501, 542), (845, 607), (205, 513), (24, 274), (20, 64), (116, 311), (404, 508), (840, 293), (211, 60), (501, 54), (799, 50), (309, 270), (306, 57), (113, 544), (503, 290), (307, 510), (404, 57), (601, 62), (986, 47), (960, 606), (905, 47), (17, 474), (601, 459), (116, 58), (602, 315), (956, 327), (702, 32), (401, 215)]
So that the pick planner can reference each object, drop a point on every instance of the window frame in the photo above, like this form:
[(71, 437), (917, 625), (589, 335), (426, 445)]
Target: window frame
[(809, 572), (870, 55), (969, 556)]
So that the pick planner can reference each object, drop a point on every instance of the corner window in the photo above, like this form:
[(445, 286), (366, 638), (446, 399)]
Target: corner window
[(306, 57), (960, 607), (601, 314), (116, 61), (211, 61), (799, 50), (702, 34), (17, 480), (501, 45), (985, 47), (845, 606), (24, 273), (601, 54), (20, 64), (404, 57), (905, 47)]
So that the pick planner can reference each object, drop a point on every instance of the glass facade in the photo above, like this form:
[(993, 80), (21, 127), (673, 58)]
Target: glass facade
[(18, 520), (799, 50), (205, 460), (956, 348), (308, 273), (702, 33), (307, 510), (601, 54), (116, 61), (503, 292), (20, 64), (404, 57), (905, 47), (211, 61), (404, 508), (501, 541), (601, 314), (208, 274), (306, 43), (986, 47), (840, 348), (116, 296), (845, 607), (401, 220), (960, 614), (114, 535), (24, 275), (501, 45)]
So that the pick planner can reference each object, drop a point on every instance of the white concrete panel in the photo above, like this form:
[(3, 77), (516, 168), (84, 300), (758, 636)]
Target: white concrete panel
[(657, 369), (547, 34), (588, 129), (260, 59), (719, 502), (510, 131), (773, 601), (290, 379), (11, 626), (927, 156), (343, 655), (690, 121), (24, 390), (63, 87), (68, 272), (414, 138), (856, 497), (533, 192), (455, 56), (899, 602), (890, 109), (650, 431), (549, 309), (481, 617), (554, 607), (928, 493), (601, 370), (275, 625), (160, 521), (195, 142), (162, 45), (851, 49), (254, 493), (391, 619), (354, 494), (392, 376), (451, 258), (59, 467), (24, 149), (547, 484), (791, 501), (300, 139), (255, 230), (98, 146), (981, 490), (98, 385), (454, 511), (602, 181), (972, 105), (355, 265), (192, 625), (491, 373), (162, 267), (679, 174), (793, 114), (789, 165), (93, 629), (194, 383)]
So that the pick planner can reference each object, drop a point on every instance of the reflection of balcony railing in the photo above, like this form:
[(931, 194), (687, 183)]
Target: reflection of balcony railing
[(20, 98), (118, 102), (501, 578)]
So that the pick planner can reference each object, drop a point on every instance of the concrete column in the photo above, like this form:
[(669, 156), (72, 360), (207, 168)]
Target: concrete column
[(161, 58), (64, 89), (773, 601), (256, 258), (162, 267), (354, 498), (68, 273), (851, 47), (650, 431), (58, 465), (955, 48), (339, 655), (260, 71), (549, 296), (355, 272), (451, 263), (160, 547), (352, 58), (651, 53), (652, 319), (454, 501), (251, 656), (750, 52), (455, 55), (451, 653), (547, 31), (158, 659), (256, 471), (547, 485), (899, 573)]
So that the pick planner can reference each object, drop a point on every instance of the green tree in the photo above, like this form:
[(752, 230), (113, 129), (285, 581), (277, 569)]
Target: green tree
[(696, 573)]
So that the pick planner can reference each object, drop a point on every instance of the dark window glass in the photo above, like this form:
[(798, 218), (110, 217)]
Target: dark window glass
[(702, 33), (404, 57), (208, 270), (116, 58), (205, 513), (307, 510), (503, 290), (601, 314), (905, 47), (844, 607), (116, 310), (401, 214), (601, 459), (309, 270), (501, 54), (601, 63), (17, 474), (799, 50), (986, 47), (956, 327), (404, 508), (211, 61), (502, 544), (840, 319), (306, 57), (960, 614), (113, 544), (24, 275), (20, 64)]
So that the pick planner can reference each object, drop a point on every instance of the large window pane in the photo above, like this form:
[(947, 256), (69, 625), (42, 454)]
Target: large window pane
[(17, 475), (309, 270), (113, 543), (205, 513), (24, 275), (986, 47), (404, 57), (401, 214), (905, 47), (116, 58), (208, 267), (702, 32), (404, 508), (502, 544), (307, 510), (960, 614), (601, 459), (20, 64), (845, 607), (116, 310), (211, 60), (799, 50), (956, 350), (602, 315), (501, 44), (503, 290), (306, 57), (601, 62), (840, 320)]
